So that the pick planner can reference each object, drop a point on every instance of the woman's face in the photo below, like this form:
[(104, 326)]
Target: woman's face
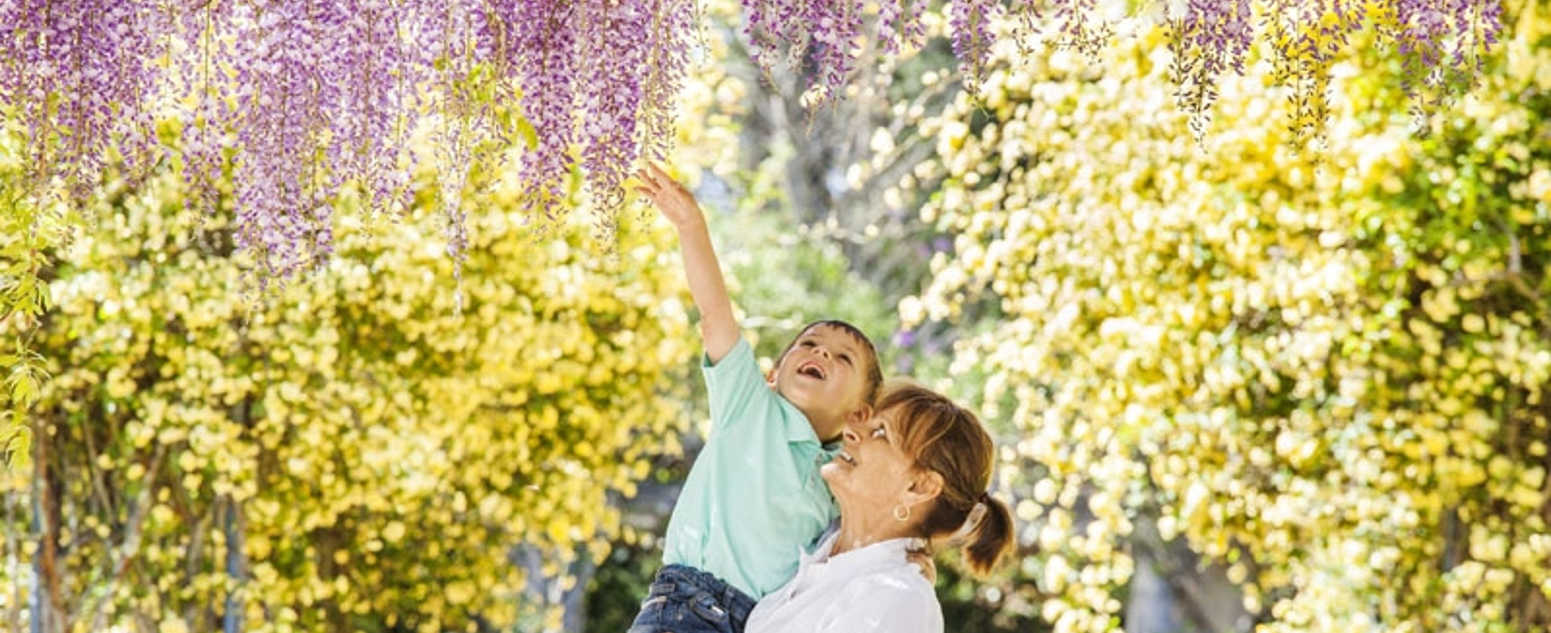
[(870, 468)]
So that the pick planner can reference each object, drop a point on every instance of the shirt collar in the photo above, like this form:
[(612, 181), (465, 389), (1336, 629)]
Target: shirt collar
[(800, 431), (880, 554)]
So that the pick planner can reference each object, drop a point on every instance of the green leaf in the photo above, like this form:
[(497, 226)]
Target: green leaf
[(530, 136), (16, 445), (24, 388)]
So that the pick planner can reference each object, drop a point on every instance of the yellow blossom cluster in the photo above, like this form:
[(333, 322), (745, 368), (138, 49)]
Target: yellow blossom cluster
[(1324, 368), (351, 451)]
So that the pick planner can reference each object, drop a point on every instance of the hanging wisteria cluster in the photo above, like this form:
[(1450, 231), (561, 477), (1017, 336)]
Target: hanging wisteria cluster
[(295, 100), (76, 77)]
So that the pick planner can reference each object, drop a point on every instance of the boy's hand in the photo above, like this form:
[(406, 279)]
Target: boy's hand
[(671, 198), (718, 328), (918, 554)]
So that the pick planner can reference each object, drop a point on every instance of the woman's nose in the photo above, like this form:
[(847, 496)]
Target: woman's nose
[(850, 435)]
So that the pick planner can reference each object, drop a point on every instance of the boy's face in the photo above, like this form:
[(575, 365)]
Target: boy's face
[(825, 375)]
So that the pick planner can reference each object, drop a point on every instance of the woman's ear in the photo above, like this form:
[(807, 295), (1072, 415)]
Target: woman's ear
[(925, 485)]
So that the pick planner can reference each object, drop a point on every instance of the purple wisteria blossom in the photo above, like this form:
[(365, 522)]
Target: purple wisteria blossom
[(82, 78), (298, 101), (1075, 23), (544, 59), (308, 98), (200, 74), (1211, 37), (1440, 43), (454, 38), (972, 38), (669, 40), (899, 23), (770, 27), (817, 37), (1316, 31), (369, 85), (837, 27), (613, 66), (890, 19), (283, 213)]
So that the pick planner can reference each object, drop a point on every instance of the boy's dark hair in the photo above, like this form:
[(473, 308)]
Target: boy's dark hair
[(873, 371)]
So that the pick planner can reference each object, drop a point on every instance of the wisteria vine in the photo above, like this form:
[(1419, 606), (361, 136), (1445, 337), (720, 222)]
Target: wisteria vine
[(1209, 38), (299, 100), (80, 77)]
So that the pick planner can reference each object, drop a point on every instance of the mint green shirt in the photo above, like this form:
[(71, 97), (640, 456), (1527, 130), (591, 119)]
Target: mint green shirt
[(754, 497)]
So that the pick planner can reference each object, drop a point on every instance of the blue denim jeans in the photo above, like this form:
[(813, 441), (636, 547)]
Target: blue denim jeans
[(687, 600)]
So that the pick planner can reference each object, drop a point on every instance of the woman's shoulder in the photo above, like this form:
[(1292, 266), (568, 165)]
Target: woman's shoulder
[(896, 599), (900, 584), (903, 574)]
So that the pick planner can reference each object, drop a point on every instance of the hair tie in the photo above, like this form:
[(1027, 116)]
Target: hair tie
[(970, 522)]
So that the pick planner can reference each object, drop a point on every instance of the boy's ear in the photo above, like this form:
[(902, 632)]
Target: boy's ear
[(925, 485), (860, 414), (770, 377)]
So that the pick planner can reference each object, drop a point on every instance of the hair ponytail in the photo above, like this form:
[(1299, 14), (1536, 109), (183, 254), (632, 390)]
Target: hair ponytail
[(947, 439), (992, 539)]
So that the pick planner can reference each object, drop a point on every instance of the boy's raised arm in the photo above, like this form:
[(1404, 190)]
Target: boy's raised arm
[(718, 327)]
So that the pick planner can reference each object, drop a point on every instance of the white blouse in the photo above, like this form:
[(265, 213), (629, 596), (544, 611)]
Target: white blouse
[(866, 590)]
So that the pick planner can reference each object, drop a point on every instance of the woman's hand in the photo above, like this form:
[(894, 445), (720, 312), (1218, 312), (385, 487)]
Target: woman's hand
[(670, 197), (919, 554)]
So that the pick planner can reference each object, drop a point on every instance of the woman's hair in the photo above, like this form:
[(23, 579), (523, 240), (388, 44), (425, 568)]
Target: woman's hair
[(943, 437)]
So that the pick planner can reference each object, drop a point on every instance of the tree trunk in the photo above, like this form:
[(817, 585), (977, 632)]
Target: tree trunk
[(236, 566), (1201, 598), (574, 601), (47, 615), (13, 565), (1152, 605)]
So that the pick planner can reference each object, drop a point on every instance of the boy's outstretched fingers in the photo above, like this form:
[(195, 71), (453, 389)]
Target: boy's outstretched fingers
[(658, 172), (671, 198), (648, 186), (661, 177)]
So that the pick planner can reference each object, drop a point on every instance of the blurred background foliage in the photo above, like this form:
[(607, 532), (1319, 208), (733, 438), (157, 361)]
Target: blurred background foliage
[(349, 452), (1321, 368), (1239, 384)]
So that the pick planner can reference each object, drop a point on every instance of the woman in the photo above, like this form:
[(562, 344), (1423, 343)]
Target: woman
[(918, 469)]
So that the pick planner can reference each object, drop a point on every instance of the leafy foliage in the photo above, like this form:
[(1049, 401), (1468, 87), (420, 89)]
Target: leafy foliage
[(352, 454), (1327, 375), (29, 231)]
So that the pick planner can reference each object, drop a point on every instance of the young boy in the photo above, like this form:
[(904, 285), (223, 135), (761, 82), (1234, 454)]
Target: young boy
[(754, 498)]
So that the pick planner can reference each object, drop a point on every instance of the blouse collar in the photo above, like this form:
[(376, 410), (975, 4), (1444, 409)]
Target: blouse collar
[(853, 562)]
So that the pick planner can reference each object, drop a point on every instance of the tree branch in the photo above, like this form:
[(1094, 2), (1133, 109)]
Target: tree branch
[(119, 563), (47, 601)]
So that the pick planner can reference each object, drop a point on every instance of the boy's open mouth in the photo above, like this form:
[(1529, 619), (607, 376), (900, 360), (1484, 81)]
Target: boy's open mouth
[(811, 369)]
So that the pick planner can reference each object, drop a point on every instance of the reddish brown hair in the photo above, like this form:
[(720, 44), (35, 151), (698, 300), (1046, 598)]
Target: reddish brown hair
[(942, 437)]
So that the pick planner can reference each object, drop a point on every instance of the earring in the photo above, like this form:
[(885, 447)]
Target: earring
[(902, 513)]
